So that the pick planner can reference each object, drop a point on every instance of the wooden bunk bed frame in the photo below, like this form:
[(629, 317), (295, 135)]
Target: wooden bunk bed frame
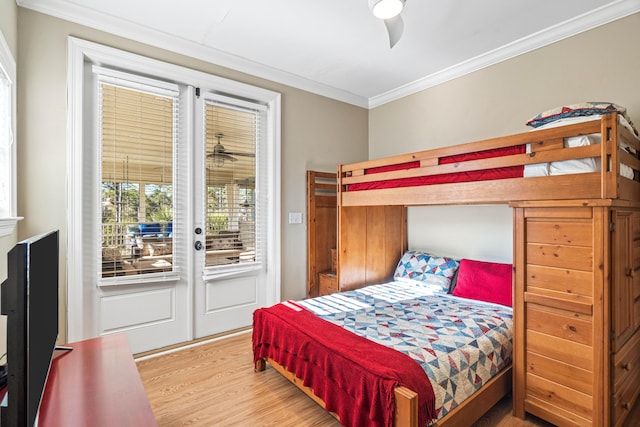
[(546, 146), (372, 237)]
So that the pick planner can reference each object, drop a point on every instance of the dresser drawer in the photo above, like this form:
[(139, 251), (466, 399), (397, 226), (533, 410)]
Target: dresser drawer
[(564, 324), (626, 363), (328, 283), (624, 399), (574, 232)]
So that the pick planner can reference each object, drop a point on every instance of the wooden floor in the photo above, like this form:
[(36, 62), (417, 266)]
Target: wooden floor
[(214, 384)]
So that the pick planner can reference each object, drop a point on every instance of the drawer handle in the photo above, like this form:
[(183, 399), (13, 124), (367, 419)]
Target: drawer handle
[(630, 272), (625, 367), (625, 406)]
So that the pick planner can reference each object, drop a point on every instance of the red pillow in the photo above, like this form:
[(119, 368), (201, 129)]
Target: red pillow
[(485, 281)]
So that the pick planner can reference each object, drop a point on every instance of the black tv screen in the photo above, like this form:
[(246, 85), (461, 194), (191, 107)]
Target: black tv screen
[(29, 299)]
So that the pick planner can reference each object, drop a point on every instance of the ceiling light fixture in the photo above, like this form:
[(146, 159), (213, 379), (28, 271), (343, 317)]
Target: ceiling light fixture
[(385, 9)]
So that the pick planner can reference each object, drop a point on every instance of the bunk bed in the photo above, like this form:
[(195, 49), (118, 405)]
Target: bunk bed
[(576, 299), (495, 170)]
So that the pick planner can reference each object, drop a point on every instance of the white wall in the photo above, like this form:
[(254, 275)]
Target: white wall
[(599, 65), (478, 232)]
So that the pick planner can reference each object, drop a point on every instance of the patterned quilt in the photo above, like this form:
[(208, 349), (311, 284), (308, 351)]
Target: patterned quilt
[(460, 343)]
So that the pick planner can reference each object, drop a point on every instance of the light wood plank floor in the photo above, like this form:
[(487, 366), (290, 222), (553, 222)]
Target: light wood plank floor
[(214, 384)]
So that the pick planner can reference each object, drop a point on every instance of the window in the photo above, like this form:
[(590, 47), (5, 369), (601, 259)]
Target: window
[(231, 132), (138, 131), (7, 140)]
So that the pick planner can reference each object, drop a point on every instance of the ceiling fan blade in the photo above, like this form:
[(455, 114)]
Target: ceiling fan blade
[(395, 28), (235, 153), (225, 156)]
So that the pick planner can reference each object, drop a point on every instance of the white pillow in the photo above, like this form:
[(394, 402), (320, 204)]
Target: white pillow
[(589, 164)]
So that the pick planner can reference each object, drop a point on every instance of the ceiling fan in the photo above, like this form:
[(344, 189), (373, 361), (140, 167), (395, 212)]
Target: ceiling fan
[(220, 154), (389, 12)]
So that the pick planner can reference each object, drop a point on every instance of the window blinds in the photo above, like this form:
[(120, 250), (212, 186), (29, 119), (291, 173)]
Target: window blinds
[(138, 122), (231, 135)]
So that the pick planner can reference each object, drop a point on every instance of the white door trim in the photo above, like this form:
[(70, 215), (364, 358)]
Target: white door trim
[(81, 321)]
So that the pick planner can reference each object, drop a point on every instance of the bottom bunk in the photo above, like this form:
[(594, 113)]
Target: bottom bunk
[(408, 352)]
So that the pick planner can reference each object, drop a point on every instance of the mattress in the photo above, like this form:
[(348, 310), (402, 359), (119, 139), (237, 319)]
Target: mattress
[(477, 175), (460, 343)]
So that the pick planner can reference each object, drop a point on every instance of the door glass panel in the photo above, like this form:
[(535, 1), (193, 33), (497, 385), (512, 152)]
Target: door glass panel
[(231, 134), (137, 135)]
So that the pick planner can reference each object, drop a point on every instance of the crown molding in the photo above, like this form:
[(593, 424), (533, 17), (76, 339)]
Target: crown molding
[(82, 15), (563, 30), (85, 16)]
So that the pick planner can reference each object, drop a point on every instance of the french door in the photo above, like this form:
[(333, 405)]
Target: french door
[(173, 224), (230, 207)]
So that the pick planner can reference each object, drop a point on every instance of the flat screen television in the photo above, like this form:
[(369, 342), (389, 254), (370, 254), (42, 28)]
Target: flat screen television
[(29, 299)]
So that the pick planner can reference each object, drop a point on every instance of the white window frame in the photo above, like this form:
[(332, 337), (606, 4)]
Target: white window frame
[(82, 52), (8, 68)]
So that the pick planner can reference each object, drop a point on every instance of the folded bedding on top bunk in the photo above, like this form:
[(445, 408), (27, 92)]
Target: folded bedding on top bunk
[(583, 110), (589, 164)]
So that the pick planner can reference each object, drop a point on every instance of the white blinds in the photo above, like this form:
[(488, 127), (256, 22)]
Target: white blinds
[(138, 122), (231, 140), (138, 125)]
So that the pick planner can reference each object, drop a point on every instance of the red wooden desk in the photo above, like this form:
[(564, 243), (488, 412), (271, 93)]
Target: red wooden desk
[(96, 384)]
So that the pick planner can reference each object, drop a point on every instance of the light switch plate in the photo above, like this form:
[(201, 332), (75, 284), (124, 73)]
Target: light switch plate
[(295, 217)]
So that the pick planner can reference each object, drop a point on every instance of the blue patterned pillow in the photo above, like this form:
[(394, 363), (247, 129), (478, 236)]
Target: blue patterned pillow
[(430, 270)]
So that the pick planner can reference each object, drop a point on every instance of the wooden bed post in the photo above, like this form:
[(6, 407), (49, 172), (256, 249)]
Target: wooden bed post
[(406, 407), (610, 169), (518, 311), (261, 365)]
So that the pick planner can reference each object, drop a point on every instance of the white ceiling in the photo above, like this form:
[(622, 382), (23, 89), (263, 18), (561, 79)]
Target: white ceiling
[(337, 48)]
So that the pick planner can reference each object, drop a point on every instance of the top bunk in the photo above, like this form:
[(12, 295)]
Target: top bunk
[(559, 161)]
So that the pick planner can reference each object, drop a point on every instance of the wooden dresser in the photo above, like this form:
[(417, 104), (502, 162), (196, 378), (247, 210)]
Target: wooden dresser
[(576, 311)]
